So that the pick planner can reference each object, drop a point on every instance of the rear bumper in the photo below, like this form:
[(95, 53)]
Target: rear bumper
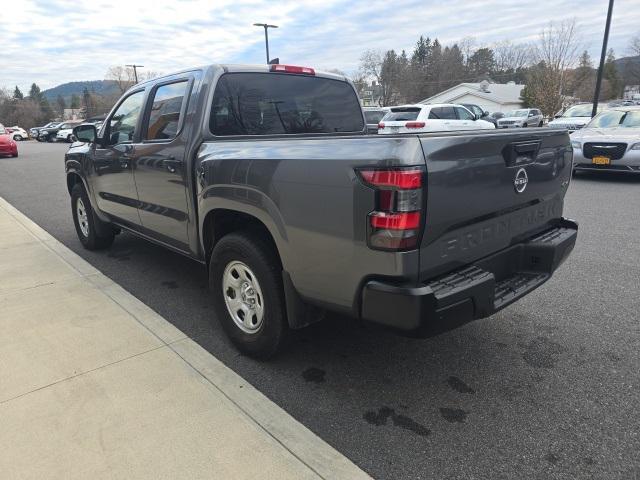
[(474, 291)]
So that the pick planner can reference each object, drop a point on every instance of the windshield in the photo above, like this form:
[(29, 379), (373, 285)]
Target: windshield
[(374, 116), (518, 113), (401, 114), (578, 111), (616, 118)]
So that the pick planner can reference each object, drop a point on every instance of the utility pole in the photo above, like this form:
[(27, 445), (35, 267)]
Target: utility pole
[(135, 71), (605, 40), (266, 27)]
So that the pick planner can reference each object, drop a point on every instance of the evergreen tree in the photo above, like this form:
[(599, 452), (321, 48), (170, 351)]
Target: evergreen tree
[(75, 101), (35, 93), (60, 104), (611, 75), (17, 94)]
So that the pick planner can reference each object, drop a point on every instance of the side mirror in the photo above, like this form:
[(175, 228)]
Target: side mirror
[(85, 133), (485, 113), (557, 116)]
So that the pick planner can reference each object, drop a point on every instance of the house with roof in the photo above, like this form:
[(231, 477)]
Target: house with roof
[(492, 97)]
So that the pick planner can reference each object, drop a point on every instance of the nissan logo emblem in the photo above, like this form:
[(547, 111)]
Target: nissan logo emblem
[(521, 180)]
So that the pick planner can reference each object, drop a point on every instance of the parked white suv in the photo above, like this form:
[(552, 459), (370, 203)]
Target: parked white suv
[(430, 118), (575, 117), (524, 117)]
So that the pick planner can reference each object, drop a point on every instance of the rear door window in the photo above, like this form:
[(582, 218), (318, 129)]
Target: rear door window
[(275, 103), (164, 118), (442, 113)]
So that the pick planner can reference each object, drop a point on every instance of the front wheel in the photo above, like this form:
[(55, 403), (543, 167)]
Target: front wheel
[(18, 138), (92, 232), (246, 278), (69, 138)]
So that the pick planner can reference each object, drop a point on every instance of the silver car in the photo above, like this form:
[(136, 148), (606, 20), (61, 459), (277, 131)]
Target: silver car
[(524, 117), (611, 142)]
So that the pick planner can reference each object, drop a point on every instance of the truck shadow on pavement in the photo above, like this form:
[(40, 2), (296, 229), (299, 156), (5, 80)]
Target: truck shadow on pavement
[(356, 384)]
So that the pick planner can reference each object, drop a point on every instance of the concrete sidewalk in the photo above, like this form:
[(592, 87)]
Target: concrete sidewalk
[(94, 384)]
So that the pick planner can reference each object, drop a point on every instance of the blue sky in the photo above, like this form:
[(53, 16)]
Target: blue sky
[(52, 42)]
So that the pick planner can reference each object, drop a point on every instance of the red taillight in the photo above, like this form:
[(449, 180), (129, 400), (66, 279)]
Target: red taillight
[(395, 222), (292, 69), (403, 179), (414, 124), (380, 125)]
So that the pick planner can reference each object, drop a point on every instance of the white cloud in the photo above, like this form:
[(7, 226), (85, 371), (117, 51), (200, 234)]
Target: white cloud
[(60, 41)]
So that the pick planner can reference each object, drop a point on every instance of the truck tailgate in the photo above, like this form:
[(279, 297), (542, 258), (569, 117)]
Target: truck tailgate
[(487, 191)]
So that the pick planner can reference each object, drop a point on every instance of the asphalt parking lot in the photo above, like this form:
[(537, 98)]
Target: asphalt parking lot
[(548, 388)]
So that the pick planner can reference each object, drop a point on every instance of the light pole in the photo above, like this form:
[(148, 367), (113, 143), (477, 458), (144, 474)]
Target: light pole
[(135, 72), (266, 27), (596, 95)]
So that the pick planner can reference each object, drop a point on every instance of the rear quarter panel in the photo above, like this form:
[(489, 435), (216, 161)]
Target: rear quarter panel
[(306, 192)]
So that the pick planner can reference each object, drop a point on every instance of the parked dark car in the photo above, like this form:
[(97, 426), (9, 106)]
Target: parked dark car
[(372, 116), (48, 134), (265, 175), (33, 132), (479, 112)]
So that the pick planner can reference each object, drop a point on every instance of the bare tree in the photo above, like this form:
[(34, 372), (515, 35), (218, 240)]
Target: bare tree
[(632, 69), (509, 56), (125, 78), (122, 76), (556, 51)]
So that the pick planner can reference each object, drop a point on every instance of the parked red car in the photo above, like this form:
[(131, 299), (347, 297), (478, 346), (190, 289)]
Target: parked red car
[(7, 145)]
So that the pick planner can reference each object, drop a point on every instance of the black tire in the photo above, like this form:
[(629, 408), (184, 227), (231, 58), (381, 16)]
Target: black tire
[(18, 138), (541, 124), (524, 125), (49, 139), (263, 262), (69, 138), (99, 235), (14, 155)]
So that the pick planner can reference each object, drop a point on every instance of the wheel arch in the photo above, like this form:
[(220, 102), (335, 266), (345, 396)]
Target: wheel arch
[(221, 221)]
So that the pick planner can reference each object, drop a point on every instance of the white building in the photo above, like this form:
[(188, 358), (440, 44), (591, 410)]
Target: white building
[(493, 97)]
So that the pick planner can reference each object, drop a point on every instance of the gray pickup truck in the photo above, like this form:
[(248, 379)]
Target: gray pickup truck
[(265, 174)]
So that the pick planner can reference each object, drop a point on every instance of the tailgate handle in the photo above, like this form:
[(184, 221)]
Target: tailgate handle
[(521, 153)]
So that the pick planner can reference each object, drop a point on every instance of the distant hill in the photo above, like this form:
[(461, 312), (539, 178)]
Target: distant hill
[(626, 65), (101, 87)]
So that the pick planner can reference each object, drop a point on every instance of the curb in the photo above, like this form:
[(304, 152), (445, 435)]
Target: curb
[(301, 442)]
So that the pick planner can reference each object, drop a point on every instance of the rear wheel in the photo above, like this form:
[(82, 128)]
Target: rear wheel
[(14, 155), (18, 138), (92, 232), (524, 125), (246, 278)]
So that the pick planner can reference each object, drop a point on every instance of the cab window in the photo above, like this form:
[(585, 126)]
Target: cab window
[(124, 121)]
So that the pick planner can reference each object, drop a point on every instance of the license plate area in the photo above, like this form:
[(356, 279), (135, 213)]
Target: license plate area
[(600, 160)]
